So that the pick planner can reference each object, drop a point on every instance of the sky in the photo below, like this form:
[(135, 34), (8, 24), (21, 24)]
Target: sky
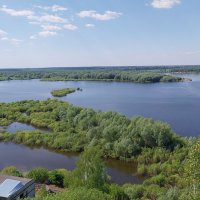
[(70, 33)]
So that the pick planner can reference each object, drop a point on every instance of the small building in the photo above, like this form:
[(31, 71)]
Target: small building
[(13, 188)]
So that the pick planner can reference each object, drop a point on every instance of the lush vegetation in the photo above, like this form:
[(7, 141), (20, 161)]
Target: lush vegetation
[(126, 74), (169, 162), (145, 77), (75, 128), (62, 92)]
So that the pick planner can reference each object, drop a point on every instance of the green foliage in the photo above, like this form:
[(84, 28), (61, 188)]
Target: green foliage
[(56, 177), (156, 180), (62, 92), (122, 74), (136, 77), (12, 171), (40, 175), (134, 191), (192, 172), (90, 170), (117, 192), (171, 194), (74, 128), (78, 194), (42, 193), (154, 192)]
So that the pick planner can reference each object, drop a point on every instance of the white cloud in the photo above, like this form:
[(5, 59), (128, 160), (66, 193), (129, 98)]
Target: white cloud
[(108, 15), (30, 15), (50, 28), (43, 34), (16, 13), (54, 8), (89, 25), (47, 33), (47, 18), (70, 27), (165, 3)]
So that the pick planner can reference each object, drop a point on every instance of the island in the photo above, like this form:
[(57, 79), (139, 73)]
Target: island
[(63, 92), (112, 74)]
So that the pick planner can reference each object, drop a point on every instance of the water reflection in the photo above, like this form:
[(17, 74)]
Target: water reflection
[(26, 158)]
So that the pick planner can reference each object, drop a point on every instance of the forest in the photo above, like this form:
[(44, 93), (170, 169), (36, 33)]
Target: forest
[(123, 74), (169, 162)]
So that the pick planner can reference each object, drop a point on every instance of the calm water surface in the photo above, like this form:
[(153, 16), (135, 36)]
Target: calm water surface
[(175, 103), (26, 158)]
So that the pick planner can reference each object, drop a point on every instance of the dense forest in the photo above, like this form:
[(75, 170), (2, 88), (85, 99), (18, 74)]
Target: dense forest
[(128, 74), (169, 162)]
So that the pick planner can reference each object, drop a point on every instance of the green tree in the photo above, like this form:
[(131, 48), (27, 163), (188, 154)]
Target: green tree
[(90, 170), (192, 171)]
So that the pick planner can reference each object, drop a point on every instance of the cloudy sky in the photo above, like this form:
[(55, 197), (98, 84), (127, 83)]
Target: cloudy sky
[(50, 33)]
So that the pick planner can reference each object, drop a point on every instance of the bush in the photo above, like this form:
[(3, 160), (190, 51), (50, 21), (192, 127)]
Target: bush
[(12, 171), (56, 177), (156, 180), (134, 191), (117, 192), (78, 194), (40, 175)]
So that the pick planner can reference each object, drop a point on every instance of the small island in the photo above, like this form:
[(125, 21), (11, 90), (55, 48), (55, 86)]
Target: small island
[(63, 92)]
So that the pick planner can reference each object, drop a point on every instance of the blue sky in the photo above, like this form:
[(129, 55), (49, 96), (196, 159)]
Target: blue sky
[(50, 33)]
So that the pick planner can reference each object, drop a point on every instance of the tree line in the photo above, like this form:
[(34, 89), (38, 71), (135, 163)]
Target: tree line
[(118, 75)]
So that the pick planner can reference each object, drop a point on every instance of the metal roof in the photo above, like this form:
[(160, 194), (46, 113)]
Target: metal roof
[(9, 187)]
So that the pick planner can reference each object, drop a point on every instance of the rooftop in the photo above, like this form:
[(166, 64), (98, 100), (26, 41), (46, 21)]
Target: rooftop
[(11, 184), (23, 180), (9, 187)]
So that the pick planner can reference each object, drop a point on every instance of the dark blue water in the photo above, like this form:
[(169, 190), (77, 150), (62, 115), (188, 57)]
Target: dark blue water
[(175, 103)]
